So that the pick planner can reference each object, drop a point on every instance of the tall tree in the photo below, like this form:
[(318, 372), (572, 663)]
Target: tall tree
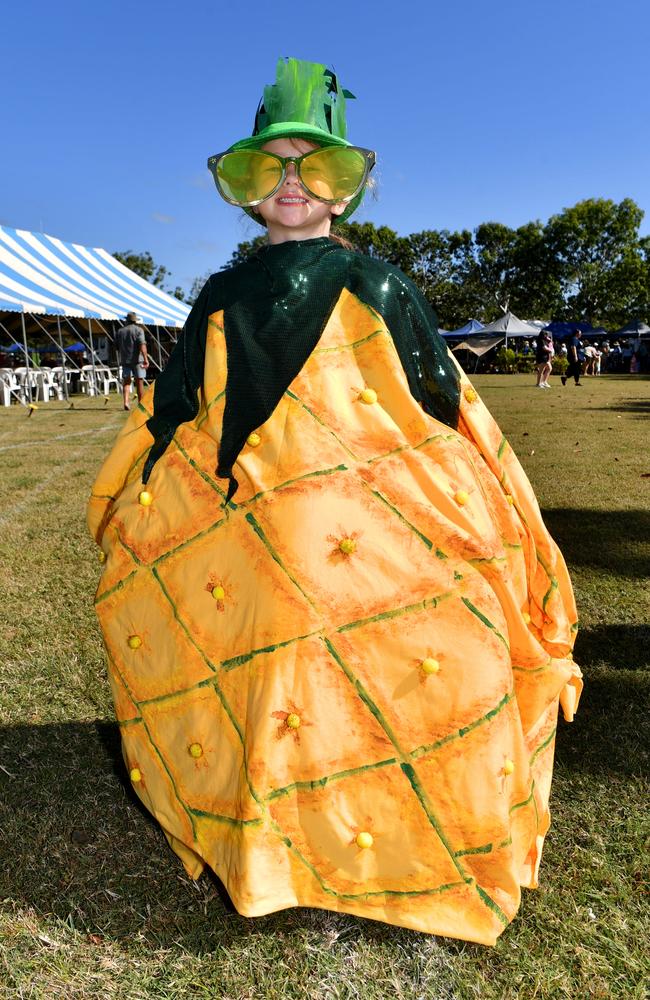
[(495, 269), (195, 290), (442, 263), (381, 242), (535, 286), (144, 265), (245, 250), (596, 244), (588, 262)]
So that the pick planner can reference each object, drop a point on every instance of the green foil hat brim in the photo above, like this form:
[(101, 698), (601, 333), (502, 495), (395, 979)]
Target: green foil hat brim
[(290, 130)]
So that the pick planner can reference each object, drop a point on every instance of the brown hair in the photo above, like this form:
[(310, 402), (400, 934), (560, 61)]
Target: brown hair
[(341, 240)]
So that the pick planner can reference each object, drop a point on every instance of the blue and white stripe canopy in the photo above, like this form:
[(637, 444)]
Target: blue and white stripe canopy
[(41, 274)]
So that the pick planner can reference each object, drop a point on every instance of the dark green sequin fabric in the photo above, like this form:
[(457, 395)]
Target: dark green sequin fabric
[(275, 307)]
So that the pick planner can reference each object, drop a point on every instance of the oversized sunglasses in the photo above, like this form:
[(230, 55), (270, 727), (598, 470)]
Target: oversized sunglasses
[(247, 177)]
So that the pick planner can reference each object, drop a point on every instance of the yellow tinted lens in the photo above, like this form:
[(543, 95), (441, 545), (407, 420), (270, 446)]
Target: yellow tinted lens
[(333, 174), (247, 176)]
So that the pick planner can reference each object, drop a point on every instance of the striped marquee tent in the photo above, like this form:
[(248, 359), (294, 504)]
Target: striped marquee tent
[(53, 292)]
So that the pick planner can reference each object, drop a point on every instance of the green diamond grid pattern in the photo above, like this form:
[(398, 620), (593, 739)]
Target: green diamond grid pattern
[(405, 759)]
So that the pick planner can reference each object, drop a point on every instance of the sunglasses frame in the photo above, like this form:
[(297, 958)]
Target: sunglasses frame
[(368, 154)]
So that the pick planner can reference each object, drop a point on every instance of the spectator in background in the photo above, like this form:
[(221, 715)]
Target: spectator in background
[(132, 351), (576, 355), (615, 357), (597, 359), (604, 356), (544, 352), (588, 367), (627, 352)]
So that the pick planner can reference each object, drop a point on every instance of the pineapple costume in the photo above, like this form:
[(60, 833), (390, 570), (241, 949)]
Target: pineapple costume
[(337, 629)]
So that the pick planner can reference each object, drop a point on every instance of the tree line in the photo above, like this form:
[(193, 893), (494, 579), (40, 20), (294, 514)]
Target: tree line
[(589, 262)]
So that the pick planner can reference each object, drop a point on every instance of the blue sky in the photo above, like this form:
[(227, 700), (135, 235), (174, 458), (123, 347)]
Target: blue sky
[(479, 111)]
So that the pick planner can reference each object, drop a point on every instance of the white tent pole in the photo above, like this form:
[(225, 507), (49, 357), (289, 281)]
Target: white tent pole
[(78, 337), (151, 357), (92, 353), (160, 364), (63, 358), (18, 344), (28, 384)]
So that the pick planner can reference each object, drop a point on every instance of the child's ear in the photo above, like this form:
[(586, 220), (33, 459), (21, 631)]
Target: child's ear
[(339, 208)]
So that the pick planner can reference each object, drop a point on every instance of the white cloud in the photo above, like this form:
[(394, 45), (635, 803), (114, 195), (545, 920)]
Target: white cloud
[(165, 220), (203, 181)]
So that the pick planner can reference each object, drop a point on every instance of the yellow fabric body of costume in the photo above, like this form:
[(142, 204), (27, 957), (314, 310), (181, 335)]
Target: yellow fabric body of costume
[(341, 690)]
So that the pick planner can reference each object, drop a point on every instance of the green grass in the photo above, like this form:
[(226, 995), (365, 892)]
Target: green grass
[(92, 901)]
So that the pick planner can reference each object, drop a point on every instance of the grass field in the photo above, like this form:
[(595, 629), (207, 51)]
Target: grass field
[(92, 901)]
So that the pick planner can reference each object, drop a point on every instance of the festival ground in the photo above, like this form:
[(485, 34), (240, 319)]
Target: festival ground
[(93, 901)]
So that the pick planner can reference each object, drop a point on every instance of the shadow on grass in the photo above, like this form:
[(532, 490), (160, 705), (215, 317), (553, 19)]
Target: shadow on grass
[(626, 406), (610, 734), (615, 541), (76, 843), (625, 647)]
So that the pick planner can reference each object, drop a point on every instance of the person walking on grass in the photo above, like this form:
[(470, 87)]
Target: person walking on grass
[(544, 352), (575, 355), (134, 360)]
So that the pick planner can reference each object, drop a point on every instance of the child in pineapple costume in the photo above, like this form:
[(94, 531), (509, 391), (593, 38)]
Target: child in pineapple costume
[(337, 628)]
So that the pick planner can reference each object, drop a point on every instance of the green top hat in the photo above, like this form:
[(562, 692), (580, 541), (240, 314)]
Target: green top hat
[(305, 102)]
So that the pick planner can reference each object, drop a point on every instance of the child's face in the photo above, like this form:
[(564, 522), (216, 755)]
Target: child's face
[(291, 214)]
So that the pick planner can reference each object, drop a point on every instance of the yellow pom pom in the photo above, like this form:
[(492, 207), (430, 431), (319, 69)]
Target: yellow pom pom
[(347, 546), (368, 396), (430, 666), (253, 439), (145, 499), (195, 750), (461, 497), (508, 767), (470, 394), (134, 641), (135, 775), (218, 593), (364, 840), (101, 555), (293, 721), (526, 617)]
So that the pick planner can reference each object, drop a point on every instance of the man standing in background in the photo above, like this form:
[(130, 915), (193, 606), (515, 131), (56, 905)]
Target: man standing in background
[(575, 356), (132, 351)]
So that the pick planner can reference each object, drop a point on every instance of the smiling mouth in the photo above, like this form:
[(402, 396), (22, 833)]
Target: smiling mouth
[(290, 200)]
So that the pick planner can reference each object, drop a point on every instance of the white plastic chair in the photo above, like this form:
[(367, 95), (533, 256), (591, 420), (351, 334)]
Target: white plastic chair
[(53, 381), (105, 378), (9, 386), (24, 380), (40, 380), (87, 383), (60, 376)]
